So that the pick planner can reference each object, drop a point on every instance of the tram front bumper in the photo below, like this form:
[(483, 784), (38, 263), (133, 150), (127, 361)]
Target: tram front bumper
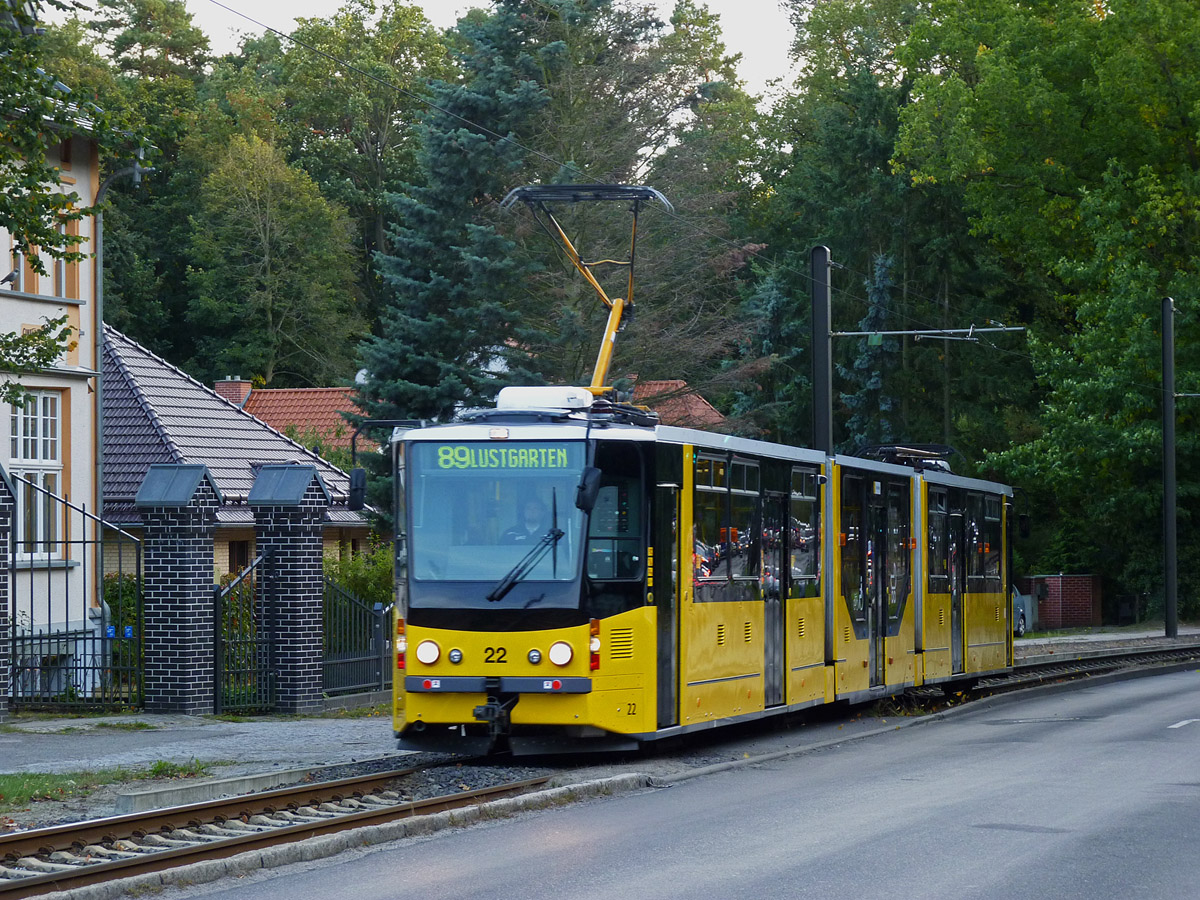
[(467, 684)]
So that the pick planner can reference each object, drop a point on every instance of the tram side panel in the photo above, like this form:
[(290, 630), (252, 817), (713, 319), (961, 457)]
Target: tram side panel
[(937, 657), (721, 624), (849, 622), (988, 631), (809, 679)]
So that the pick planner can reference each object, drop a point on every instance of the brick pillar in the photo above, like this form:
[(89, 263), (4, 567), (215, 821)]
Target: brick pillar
[(7, 504), (289, 504), (179, 506)]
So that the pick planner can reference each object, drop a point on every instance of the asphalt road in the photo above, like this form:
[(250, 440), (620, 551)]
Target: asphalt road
[(1093, 793)]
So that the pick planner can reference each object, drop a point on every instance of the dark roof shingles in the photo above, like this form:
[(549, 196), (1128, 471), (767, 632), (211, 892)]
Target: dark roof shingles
[(155, 413)]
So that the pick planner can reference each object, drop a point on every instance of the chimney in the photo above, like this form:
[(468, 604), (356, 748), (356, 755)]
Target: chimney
[(233, 389)]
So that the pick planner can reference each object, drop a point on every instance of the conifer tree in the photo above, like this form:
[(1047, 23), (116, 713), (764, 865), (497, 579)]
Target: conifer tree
[(451, 274)]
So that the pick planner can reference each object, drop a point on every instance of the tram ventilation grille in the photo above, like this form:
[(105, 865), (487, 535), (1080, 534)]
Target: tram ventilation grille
[(620, 643), (800, 627), (846, 634), (997, 614), (941, 616), (721, 635), (747, 632)]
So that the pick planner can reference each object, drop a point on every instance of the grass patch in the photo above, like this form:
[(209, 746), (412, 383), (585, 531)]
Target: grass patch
[(19, 790), (191, 769)]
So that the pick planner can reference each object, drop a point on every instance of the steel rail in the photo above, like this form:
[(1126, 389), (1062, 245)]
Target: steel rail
[(64, 857), (1084, 662)]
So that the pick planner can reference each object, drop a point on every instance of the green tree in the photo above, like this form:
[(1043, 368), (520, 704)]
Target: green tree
[(832, 142), (38, 111), (153, 39), (1072, 130), (273, 274), (353, 85)]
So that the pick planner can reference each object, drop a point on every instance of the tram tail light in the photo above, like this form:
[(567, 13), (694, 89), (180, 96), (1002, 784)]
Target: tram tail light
[(401, 643), (594, 646)]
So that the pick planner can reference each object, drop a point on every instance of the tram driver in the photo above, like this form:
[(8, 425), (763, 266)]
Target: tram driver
[(534, 524)]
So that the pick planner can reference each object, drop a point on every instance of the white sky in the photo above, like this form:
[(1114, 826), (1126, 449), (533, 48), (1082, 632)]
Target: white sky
[(758, 29)]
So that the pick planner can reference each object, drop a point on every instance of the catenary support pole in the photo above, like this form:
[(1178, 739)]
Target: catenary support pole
[(822, 352), (1170, 559)]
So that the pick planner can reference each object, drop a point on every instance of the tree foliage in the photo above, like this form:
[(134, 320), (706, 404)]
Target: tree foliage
[(1072, 130), (272, 273)]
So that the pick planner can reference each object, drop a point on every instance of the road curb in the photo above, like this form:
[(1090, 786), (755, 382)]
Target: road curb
[(370, 835)]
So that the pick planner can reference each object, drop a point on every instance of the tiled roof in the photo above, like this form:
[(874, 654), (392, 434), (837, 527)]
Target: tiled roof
[(154, 413), (677, 404), (303, 408)]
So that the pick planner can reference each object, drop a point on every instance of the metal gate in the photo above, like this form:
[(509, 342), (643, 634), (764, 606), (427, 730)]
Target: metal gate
[(244, 639), (355, 642), (75, 605)]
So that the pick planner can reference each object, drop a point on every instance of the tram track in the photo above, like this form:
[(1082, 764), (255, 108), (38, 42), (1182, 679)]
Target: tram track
[(76, 855), (1083, 663)]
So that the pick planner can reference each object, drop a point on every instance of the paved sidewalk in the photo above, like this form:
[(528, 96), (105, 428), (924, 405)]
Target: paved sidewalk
[(239, 748)]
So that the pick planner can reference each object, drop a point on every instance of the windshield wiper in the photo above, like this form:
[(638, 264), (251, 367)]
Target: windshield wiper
[(526, 565), (529, 561)]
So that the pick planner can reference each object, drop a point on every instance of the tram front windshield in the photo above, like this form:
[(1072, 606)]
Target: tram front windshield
[(479, 508)]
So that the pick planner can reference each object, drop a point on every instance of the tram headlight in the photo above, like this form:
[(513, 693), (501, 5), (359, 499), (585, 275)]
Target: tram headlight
[(455, 656), (561, 653), (535, 656), (428, 652), (594, 644)]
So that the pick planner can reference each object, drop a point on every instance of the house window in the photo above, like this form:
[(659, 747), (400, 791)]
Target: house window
[(239, 556), (35, 449)]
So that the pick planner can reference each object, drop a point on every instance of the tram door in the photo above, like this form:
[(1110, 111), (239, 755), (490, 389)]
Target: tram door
[(666, 577), (958, 580), (876, 579), (774, 589)]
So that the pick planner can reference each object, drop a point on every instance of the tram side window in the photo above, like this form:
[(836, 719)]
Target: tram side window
[(743, 536), (991, 542), (976, 539), (851, 540), (710, 516), (615, 541), (939, 543), (897, 550), (804, 538)]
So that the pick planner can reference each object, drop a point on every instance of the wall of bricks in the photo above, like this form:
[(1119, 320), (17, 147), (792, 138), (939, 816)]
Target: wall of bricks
[(1065, 601), (6, 513), (294, 535), (177, 564)]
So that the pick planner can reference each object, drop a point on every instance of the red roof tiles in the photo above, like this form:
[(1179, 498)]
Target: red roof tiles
[(319, 409), (677, 404)]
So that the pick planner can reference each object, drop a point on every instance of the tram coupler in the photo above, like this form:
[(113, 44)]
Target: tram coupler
[(497, 713)]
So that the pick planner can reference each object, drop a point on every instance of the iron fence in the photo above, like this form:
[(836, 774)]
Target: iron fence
[(356, 645), (75, 606), (244, 639)]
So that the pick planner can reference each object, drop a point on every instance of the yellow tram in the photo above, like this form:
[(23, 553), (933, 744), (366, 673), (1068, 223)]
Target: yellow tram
[(574, 575), (571, 574)]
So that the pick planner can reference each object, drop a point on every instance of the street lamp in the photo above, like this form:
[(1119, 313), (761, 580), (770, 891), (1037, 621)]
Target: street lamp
[(135, 171)]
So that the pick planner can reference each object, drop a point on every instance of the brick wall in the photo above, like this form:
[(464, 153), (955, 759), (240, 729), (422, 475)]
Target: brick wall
[(178, 572), (294, 534), (1065, 601)]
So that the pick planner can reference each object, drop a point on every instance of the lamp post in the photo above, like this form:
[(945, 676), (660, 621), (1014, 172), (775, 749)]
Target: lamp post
[(1170, 538), (135, 171)]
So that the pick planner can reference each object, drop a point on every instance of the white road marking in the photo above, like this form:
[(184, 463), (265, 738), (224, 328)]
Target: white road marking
[(1184, 722)]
